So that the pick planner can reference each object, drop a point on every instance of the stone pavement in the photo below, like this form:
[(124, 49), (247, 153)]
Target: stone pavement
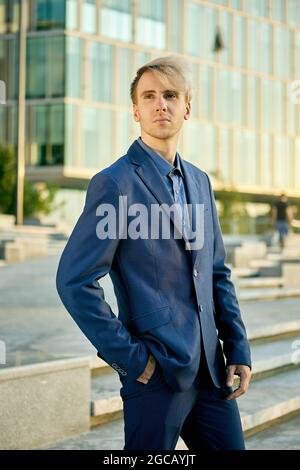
[(284, 436), (36, 327)]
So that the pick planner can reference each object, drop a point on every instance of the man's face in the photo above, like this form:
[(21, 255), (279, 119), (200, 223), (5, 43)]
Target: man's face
[(160, 108)]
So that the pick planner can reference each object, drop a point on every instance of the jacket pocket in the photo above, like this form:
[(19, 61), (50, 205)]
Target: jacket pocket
[(154, 319)]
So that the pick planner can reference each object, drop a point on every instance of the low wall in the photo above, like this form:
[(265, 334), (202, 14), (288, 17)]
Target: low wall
[(43, 403)]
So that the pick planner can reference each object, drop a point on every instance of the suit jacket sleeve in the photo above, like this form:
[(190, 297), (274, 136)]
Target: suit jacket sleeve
[(86, 259), (229, 323)]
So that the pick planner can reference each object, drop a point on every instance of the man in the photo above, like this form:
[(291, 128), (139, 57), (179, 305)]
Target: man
[(175, 297), (282, 218)]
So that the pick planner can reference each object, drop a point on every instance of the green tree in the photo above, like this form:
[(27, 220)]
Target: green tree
[(38, 198)]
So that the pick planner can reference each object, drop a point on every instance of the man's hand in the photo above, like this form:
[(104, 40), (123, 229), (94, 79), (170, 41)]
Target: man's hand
[(149, 370), (244, 373)]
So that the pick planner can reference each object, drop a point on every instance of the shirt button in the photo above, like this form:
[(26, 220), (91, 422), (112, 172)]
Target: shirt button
[(200, 307), (195, 273)]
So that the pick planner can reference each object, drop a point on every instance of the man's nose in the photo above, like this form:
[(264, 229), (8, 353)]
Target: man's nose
[(161, 103)]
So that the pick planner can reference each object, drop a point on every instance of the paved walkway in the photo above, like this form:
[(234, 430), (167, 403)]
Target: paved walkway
[(36, 327), (284, 436)]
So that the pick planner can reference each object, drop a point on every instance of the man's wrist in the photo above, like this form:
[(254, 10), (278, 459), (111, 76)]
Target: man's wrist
[(149, 370)]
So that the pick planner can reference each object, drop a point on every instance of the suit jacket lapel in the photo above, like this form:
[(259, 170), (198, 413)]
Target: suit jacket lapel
[(194, 196), (151, 177)]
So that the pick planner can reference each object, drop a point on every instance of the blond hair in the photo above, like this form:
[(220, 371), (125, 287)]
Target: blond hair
[(172, 68)]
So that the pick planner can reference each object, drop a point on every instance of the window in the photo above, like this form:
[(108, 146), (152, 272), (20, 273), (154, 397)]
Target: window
[(3, 125), (278, 109), (239, 43), (47, 134), (97, 138), (151, 27), (267, 104), (101, 73), (123, 128), (200, 145), (195, 90), (125, 62), (116, 19), (36, 84), (200, 30), (266, 160), (256, 7), (297, 55), (175, 34), (3, 69), (12, 123), (225, 152), (9, 16), (71, 14), (293, 11), (206, 90), (2, 16), (56, 66), (237, 4), (226, 32), (71, 135), (45, 67), (88, 16), (12, 68), (282, 63), (48, 14), (73, 67), (297, 162), (230, 97), (253, 100), (292, 110), (245, 157), (278, 9), (259, 46), (282, 163)]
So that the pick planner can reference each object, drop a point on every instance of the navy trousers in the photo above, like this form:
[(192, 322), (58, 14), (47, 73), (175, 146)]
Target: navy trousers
[(155, 415)]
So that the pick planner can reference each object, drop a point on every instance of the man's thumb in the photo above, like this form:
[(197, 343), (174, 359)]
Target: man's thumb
[(230, 377)]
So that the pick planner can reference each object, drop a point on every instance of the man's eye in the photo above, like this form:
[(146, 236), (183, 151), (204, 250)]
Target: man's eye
[(171, 95)]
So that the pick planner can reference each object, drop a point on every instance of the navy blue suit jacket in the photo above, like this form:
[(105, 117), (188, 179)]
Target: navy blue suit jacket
[(170, 301)]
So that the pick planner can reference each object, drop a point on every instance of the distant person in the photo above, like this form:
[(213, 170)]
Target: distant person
[(281, 218)]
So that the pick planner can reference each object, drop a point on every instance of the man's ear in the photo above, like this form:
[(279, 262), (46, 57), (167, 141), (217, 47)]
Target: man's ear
[(136, 115), (187, 110)]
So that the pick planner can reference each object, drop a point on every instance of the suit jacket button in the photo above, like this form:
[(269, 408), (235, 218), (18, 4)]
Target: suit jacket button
[(195, 272)]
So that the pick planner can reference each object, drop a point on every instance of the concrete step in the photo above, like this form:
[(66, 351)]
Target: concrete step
[(270, 332), (269, 358), (259, 282), (273, 293), (259, 410), (270, 399), (283, 435), (272, 357)]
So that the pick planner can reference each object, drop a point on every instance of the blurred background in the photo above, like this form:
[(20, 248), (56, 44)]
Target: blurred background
[(78, 58), (65, 114)]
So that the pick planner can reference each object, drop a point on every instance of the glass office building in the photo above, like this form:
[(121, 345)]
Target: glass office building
[(82, 55)]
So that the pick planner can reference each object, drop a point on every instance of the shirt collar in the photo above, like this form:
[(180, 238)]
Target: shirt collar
[(163, 166)]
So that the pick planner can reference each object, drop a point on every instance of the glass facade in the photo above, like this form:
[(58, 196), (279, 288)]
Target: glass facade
[(45, 67), (116, 19), (81, 58)]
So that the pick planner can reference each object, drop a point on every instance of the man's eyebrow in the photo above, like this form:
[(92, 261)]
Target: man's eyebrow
[(153, 91)]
